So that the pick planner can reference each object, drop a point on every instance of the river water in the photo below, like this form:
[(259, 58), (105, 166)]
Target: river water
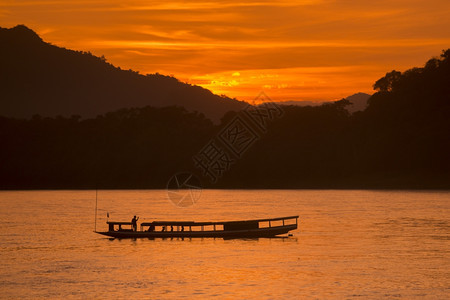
[(350, 244)]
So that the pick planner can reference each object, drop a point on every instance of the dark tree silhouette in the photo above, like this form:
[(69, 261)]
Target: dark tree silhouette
[(388, 82)]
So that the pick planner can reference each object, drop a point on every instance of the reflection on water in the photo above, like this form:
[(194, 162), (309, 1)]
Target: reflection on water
[(349, 244)]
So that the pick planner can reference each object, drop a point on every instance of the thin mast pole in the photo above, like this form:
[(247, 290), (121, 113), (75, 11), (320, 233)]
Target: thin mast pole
[(95, 222)]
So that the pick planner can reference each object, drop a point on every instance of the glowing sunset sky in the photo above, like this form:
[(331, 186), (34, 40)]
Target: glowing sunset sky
[(293, 50)]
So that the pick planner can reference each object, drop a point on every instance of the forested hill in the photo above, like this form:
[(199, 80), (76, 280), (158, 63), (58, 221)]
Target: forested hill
[(40, 78), (402, 140)]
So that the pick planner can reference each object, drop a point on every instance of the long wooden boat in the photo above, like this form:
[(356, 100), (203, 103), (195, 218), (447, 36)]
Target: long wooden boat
[(231, 229)]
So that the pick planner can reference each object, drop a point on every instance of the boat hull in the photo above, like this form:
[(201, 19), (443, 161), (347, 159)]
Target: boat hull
[(250, 233)]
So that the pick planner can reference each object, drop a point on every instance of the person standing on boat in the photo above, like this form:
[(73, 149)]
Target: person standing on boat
[(134, 223)]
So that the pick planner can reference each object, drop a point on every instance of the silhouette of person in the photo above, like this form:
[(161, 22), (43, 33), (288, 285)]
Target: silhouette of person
[(134, 223)]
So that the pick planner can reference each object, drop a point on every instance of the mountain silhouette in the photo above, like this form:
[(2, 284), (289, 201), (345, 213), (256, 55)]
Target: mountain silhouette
[(358, 102), (39, 78)]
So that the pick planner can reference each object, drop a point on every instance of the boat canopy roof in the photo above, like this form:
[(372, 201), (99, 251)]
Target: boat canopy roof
[(119, 223), (192, 223)]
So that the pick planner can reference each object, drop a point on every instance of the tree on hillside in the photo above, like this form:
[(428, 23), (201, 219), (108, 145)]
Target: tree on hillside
[(388, 82)]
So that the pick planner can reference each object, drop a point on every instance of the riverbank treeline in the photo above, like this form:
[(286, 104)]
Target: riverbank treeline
[(400, 141)]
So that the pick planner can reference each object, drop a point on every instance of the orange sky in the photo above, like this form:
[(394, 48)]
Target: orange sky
[(293, 50)]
